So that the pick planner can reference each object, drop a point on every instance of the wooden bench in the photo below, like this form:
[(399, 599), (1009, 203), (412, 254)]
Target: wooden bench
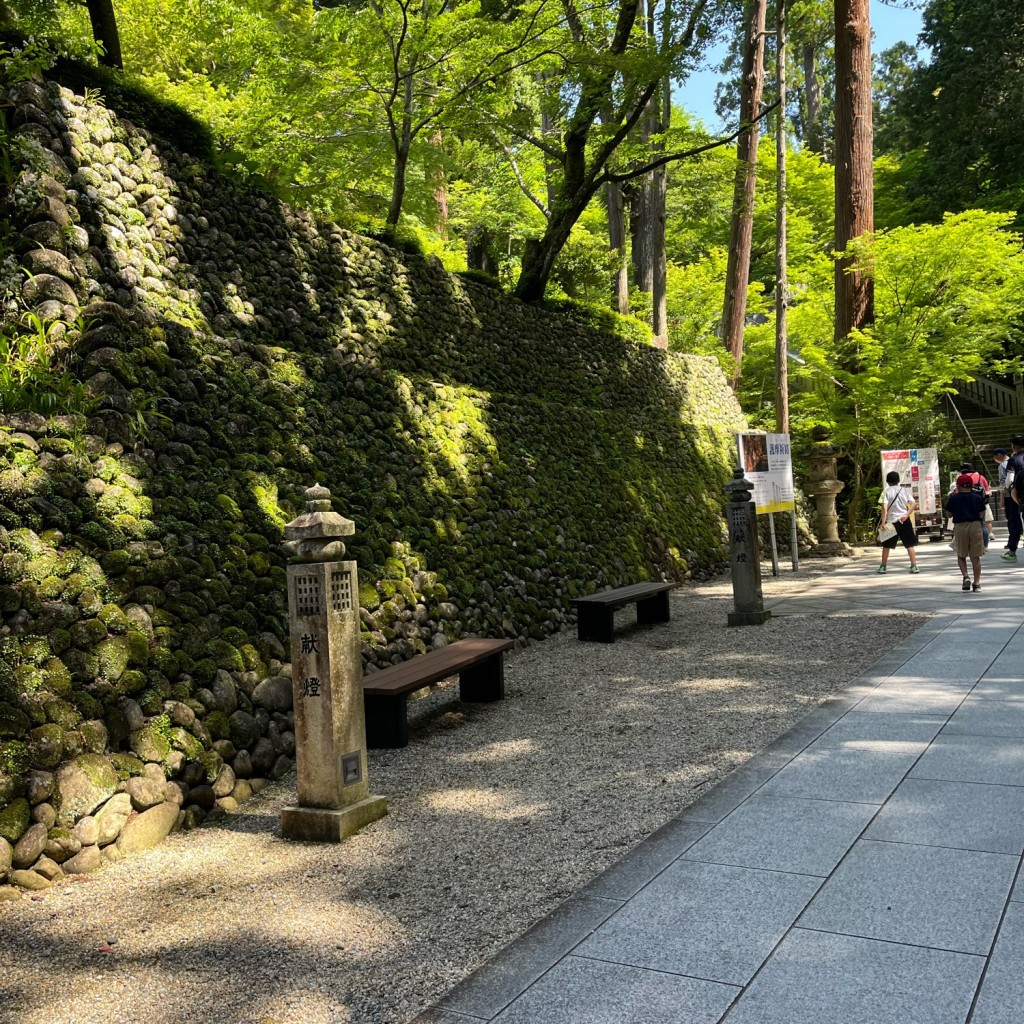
[(596, 613), (479, 663)]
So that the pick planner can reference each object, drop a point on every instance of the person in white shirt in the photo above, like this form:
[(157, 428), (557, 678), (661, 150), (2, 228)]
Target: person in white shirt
[(898, 505)]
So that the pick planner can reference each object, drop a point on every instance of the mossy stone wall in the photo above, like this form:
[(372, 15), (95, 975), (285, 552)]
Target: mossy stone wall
[(497, 460)]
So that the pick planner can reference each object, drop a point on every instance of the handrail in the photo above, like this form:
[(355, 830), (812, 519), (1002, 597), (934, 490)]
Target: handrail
[(978, 454), (991, 395)]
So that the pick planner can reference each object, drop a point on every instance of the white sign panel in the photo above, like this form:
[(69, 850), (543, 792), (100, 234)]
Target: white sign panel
[(919, 470), (767, 463)]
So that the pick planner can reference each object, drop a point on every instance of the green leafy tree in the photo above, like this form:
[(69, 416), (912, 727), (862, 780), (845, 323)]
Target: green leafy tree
[(967, 105), (947, 308)]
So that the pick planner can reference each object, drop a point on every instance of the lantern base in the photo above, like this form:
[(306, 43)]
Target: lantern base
[(329, 824), (749, 618)]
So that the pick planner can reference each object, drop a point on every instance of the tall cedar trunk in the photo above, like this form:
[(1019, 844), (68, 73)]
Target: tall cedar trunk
[(812, 97), (617, 244), (104, 30), (641, 214), (781, 275), (440, 189), (647, 220), (741, 231), (659, 296), (854, 179)]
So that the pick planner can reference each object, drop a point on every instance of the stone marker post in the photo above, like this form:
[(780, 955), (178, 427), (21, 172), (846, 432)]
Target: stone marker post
[(327, 679), (744, 554)]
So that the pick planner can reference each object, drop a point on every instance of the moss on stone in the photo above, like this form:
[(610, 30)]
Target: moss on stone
[(14, 820)]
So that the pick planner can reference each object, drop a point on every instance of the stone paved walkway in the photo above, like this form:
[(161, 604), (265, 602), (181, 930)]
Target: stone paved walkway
[(864, 869)]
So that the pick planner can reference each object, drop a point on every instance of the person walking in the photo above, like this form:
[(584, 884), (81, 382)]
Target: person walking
[(1000, 457), (1012, 497), (898, 506), (979, 484), (966, 507)]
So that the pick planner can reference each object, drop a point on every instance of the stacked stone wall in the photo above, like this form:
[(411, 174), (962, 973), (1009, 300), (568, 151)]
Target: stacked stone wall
[(223, 352)]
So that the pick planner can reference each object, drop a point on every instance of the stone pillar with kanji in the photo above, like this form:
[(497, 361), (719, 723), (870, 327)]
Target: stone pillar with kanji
[(327, 679), (744, 554)]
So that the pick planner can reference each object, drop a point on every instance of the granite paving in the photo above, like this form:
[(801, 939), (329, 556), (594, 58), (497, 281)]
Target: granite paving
[(865, 868)]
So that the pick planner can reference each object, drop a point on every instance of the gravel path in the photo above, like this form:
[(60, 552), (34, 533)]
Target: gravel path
[(497, 813)]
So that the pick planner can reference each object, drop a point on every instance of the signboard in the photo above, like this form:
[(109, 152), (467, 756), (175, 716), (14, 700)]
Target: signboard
[(919, 470), (768, 464)]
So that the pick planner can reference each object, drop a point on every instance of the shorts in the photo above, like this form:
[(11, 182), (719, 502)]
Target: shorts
[(968, 539), (904, 532)]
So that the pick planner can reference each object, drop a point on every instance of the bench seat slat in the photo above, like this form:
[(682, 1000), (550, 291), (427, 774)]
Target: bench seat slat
[(626, 595), (436, 665)]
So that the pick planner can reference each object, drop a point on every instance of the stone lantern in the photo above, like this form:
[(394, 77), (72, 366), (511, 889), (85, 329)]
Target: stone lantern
[(744, 554), (824, 485), (327, 679)]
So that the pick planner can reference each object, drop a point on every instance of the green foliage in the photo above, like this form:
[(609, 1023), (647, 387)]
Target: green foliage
[(946, 309), (32, 378), (601, 318), (963, 109), (135, 101)]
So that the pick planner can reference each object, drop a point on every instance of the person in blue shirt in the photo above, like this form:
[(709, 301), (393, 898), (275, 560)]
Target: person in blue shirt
[(1012, 497), (966, 507)]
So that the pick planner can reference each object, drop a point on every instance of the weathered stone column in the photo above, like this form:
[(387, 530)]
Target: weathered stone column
[(824, 485), (744, 554), (327, 679)]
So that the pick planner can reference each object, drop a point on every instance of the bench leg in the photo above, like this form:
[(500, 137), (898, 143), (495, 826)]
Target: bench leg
[(385, 722), (595, 622), (653, 609), (485, 682)]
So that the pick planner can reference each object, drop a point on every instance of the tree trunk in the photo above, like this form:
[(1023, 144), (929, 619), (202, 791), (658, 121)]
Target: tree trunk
[(854, 177), (104, 31), (617, 243), (539, 255), (479, 254), (402, 143), (398, 186), (781, 276), (641, 214), (659, 294), (815, 136), (440, 189), (741, 231)]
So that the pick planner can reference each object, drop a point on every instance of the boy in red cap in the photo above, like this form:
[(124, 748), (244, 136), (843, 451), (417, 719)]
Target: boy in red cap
[(967, 510)]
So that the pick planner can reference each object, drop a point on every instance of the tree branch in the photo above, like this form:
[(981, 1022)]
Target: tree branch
[(523, 187), (654, 164)]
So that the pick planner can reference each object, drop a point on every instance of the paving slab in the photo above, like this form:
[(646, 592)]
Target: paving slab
[(647, 860), (865, 773), (865, 868), (706, 921), (490, 989), (916, 695), (873, 730), (991, 759), (1001, 1000), (596, 992), (818, 978), (960, 815), (977, 717), (992, 687), (784, 834), (917, 895)]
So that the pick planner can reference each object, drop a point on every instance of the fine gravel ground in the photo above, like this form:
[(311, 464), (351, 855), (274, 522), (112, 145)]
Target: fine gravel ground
[(496, 814)]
